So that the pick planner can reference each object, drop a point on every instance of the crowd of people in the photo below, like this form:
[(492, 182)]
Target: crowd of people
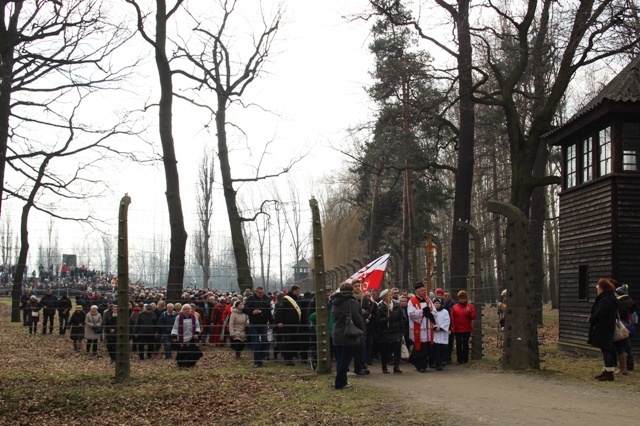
[(390, 325), (422, 325), (276, 326)]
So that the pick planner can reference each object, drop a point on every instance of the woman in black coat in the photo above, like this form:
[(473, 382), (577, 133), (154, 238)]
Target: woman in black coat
[(343, 305), (602, 326), (76, 322), (110, 322), (389, 321)]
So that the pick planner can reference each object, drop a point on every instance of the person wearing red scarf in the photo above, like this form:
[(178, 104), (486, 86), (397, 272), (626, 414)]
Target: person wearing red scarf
[(462, 315), (421, 322)]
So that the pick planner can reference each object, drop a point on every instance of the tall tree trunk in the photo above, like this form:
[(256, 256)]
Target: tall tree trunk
[(459, 264), (206, 264), (552, 250), (245, 281), (406, 229), (374, 232), (497, 235), (6, 82), (177, 251), (538, 210), (16, 291), (21, 265)]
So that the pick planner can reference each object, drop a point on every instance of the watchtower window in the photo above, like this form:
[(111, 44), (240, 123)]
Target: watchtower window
[(630, 146), (583, 282), (587, 159), (572, 166), (604, 151)]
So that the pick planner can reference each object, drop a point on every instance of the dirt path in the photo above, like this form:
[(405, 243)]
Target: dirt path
[(484, 398)]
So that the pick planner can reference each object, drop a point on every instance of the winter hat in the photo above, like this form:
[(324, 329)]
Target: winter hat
[(384, 293), (463, 293), (136, 309), (418, 285), (623, 290), (437, 299), (94, 307), (439, 291)]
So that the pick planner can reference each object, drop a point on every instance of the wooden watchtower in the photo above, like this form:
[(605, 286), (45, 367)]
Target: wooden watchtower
[(599, 202)]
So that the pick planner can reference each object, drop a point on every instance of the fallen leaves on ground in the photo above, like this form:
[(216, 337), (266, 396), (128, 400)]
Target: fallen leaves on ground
[(44, 381)]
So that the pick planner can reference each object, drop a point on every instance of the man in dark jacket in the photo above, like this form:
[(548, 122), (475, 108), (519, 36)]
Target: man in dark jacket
[(145, 331), (165, 325), (360, 357), (49, 302), (64, 310), (258, 308), (288, 317), (24, 300), (85, 301)]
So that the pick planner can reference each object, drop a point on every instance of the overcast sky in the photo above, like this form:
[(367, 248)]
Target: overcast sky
[(313, 90)]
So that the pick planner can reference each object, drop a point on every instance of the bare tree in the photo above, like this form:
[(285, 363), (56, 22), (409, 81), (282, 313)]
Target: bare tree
[(36, 167), (220, 68), (165, 121), (204, 206), (462, 53), (280, 225), (263, 235), (107, 253), (6, 240), (299, 238), (527, 56), (47, 49)]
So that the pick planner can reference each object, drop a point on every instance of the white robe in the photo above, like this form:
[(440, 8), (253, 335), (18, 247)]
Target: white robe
[(444, 322), (187, 331), (417, 318)]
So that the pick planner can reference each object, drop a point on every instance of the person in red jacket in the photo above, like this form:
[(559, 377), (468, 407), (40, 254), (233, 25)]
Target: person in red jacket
[(462, 314)]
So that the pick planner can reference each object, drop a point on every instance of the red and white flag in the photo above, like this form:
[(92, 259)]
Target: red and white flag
[(372, 274)]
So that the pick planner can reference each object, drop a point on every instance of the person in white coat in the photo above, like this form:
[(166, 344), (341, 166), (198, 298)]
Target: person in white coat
[(440, 333), (185, 337), (93, 329)]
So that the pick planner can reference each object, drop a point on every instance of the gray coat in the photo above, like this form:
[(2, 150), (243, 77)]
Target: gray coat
[(344, 303), (91, 321)]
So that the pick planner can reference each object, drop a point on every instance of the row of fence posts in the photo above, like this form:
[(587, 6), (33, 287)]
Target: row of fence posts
[(518, 231)]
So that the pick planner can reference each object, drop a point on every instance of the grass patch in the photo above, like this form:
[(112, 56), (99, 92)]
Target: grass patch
[(43, 380), (561, 365)]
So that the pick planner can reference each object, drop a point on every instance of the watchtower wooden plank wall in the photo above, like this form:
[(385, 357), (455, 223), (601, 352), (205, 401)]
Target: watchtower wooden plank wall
[(599, 202)]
